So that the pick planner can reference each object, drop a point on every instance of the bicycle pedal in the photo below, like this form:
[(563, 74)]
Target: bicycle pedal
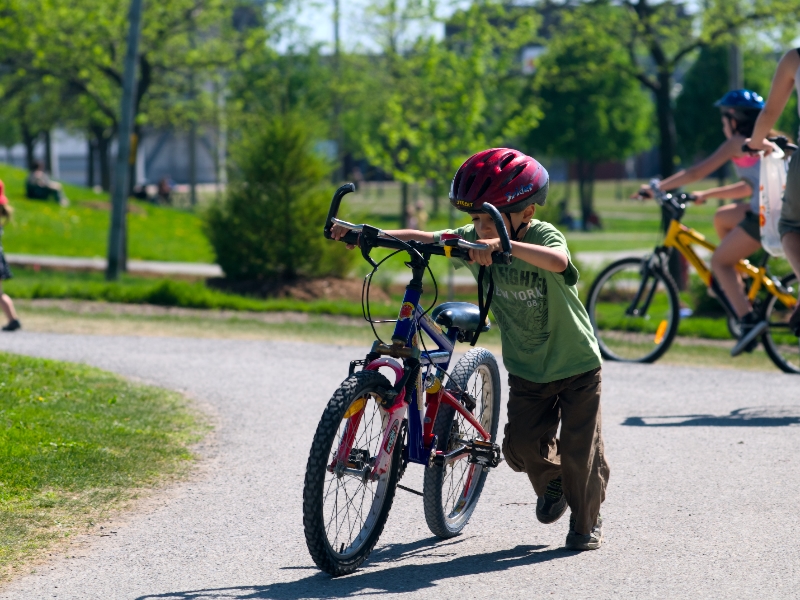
[(484, 453)]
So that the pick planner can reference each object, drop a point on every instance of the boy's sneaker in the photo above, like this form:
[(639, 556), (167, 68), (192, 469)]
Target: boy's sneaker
[(12, 325), (752, 327), (588, 541), (553, 504)]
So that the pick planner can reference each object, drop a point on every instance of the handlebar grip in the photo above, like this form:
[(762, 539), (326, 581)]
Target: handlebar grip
[(334, 210), (500, 225)]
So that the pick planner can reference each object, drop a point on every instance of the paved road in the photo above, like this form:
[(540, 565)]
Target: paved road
[(142, 267), (702, 501)]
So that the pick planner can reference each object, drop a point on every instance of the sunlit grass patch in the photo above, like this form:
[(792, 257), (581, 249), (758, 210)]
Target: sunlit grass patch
[(74, 441)]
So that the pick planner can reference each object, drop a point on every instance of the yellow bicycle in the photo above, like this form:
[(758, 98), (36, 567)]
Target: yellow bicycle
[(634, 304)]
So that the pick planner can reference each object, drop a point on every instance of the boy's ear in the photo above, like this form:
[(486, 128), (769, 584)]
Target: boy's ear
[(528, 213)]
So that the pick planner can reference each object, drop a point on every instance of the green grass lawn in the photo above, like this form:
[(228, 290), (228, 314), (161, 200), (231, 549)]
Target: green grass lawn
[(75, 442), (155, 232)]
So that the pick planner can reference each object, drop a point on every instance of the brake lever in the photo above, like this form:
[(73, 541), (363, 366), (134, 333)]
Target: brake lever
[(367, 241)]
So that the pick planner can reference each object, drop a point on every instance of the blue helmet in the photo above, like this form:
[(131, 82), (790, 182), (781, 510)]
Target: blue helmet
[(741, 99)]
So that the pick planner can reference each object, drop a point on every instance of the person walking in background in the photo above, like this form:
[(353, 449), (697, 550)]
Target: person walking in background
[(787, 78), (39, 186), (5, 273)]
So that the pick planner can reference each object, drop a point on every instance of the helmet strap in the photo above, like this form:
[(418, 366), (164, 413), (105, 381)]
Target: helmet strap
[(514, 231)]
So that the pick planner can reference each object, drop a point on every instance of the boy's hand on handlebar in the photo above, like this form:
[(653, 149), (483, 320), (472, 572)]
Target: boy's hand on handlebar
[(338, 232), (484, 257), (697, 197)]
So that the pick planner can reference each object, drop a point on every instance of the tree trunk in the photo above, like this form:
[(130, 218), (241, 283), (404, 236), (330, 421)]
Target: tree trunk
[(48, 152), (29, 139), (586, 192), (103, 144), (90, 164), (666, 124)]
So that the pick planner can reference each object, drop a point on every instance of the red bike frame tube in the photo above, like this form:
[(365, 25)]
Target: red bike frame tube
[(448, 398)]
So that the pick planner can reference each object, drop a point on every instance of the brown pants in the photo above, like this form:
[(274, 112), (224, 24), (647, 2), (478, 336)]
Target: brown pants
[(530, 444)]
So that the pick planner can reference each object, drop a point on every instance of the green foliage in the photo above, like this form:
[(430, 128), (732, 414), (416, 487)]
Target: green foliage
[(28, 285), (270, 223), (73, 441), (427, 106), (698, 121), (593, 110)]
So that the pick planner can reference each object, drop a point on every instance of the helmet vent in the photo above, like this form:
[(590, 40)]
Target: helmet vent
[(507, 159), (514, 174), (470, 181), (484, 187)]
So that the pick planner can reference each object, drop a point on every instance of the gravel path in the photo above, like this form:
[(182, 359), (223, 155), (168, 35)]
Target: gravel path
[(702, 501)]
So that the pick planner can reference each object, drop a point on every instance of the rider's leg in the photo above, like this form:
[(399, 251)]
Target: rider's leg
[(530, 444), (728, 217), (7, 305), (737, 245), (583, 464)]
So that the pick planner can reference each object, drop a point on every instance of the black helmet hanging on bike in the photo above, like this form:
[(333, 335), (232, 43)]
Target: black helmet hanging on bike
[(507, 179)]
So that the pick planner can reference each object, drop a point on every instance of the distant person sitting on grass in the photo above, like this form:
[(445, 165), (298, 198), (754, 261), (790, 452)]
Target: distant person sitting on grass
[(39, 186), (5, 273), (165, 190)]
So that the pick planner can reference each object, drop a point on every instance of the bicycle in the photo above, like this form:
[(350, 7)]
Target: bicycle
[(634, 304), (372, 428)]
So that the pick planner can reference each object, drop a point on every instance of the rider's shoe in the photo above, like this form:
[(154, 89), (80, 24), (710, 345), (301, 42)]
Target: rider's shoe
[(12, 325), (553, 504), (587, 541), (752, 327), (794, 320)]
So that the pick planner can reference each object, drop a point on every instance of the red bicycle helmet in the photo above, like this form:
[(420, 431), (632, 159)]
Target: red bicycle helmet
[(507, 179)]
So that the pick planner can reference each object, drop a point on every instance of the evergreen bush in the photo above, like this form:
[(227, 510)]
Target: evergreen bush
[(269, 225)]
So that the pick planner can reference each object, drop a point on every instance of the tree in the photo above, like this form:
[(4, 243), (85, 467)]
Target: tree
[(593, 110), (81, 44), (433, 103), (660, 36), (698, 126), (269, 225)]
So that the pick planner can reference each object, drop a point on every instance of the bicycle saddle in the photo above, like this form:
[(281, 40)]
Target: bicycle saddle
[(462, 315)]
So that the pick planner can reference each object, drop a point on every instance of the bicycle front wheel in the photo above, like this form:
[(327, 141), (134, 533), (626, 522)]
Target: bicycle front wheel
[(451, 491), (782, 346), (344, 510), (634, 311)]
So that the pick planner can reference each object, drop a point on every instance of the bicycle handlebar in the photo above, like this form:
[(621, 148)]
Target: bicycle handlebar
[(459, 249), (660, 196), (780, 141)]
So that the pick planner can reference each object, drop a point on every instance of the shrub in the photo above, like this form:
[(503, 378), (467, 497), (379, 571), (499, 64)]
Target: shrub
[(270, 223)]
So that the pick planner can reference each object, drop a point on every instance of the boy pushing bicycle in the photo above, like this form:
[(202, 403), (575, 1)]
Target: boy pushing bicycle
[(549, 348)]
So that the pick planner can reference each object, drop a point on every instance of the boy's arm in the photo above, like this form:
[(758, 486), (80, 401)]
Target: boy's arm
[(544, 257)]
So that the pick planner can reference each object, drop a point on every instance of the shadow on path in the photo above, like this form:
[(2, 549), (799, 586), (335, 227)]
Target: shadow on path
[(764, 416), (392, 580)]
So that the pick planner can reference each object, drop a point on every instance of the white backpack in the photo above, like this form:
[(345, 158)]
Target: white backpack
[(772, 186)]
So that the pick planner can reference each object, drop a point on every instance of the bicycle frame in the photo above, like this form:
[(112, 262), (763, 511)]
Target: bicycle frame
[(681, 238), (421, 445)]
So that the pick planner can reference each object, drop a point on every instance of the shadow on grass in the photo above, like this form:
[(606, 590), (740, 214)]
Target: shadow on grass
[(397, 578), (764, 416)]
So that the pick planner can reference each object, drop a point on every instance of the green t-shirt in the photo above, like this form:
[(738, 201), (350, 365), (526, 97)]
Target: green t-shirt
[(544, 329)]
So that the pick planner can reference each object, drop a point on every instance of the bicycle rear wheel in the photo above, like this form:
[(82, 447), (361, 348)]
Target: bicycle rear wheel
[(782, 346), (451, 491), (344, 511), (634, 311)]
